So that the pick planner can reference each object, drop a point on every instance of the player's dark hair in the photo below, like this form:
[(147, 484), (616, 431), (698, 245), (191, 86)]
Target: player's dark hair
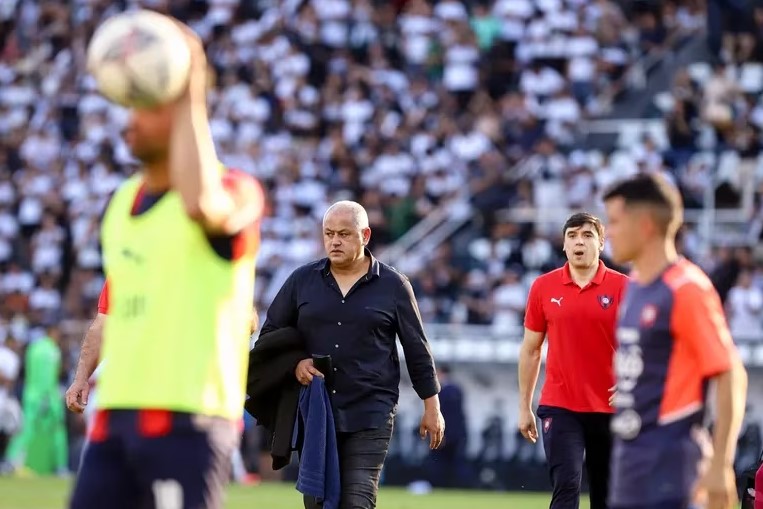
[(583, 218), (656, 193)]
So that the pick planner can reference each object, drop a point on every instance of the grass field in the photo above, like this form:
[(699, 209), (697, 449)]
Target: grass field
[(44, 493)]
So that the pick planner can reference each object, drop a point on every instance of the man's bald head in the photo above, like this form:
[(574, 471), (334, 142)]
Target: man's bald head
[(346, 234), (350, 208)]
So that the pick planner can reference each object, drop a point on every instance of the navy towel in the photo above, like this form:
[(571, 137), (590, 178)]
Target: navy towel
[(319, 460)]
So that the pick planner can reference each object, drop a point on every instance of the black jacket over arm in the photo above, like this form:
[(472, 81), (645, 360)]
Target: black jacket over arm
[(273, 389)]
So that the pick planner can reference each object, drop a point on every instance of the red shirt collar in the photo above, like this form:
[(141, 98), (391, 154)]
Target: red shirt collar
[(597, 279)]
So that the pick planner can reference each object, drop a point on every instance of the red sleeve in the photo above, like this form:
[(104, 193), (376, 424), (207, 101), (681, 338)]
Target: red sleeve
[(103, 300), (247, 241), (699, 323), (535, 319)]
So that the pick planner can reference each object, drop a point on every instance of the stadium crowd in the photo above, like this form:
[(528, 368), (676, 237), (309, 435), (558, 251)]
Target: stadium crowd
[(404, 106)]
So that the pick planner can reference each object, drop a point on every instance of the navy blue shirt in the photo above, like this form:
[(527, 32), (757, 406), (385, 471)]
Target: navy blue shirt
[(358, 331)]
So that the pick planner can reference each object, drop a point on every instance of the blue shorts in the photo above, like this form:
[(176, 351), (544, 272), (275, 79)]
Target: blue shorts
[(153, 458)]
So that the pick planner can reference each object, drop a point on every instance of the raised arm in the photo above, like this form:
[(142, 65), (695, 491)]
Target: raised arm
[(195, 171)]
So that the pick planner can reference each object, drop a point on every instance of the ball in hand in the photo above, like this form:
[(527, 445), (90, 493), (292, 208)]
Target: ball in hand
[(139, 59)]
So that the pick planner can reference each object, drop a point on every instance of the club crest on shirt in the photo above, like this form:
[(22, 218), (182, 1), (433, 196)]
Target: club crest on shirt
[(605, 301), (546, 424), (648, 315)]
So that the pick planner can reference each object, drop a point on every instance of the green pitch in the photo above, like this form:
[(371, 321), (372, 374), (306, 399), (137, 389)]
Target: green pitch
[(44, 493)]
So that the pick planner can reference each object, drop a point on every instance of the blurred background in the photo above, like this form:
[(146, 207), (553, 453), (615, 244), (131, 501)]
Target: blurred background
[(470, 130)]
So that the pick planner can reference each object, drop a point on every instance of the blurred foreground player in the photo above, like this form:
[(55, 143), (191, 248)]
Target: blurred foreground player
[(576, 306), (673, 340), (179, 241)]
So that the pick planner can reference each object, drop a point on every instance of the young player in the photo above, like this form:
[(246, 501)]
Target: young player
[(673, 340)]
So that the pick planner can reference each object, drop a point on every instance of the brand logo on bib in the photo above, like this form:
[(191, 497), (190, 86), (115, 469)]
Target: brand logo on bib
[(132, 255)]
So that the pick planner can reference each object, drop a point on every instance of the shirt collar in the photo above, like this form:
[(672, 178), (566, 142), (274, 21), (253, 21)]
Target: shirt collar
[(597, 279), (373, 269)]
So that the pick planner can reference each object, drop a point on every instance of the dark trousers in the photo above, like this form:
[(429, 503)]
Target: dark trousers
[(567, 438), (146, 460), (361, 457)]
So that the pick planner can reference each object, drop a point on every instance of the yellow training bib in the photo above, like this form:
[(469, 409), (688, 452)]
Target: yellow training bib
[(177, 334)]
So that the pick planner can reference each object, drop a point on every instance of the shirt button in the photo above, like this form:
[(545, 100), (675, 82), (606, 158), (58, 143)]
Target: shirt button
[(343, 301), (339, 323), (336, 346), (333, 392), (334, 369)]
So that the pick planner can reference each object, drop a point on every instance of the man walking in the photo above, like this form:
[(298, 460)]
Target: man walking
[(351, 306), (576, 307)]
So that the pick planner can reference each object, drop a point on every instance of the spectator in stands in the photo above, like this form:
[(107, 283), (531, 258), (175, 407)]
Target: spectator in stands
[(719, 95), (652, 32), (728, 264), (744, 307), (509, 302)]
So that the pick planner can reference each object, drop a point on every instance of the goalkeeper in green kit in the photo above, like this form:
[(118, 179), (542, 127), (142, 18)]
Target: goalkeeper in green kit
[(43, 406)]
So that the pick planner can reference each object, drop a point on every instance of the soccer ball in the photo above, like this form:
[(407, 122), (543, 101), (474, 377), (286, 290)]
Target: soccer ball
[(140, 59)]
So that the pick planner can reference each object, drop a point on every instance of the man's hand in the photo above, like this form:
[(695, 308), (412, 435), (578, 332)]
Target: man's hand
[(432, 423), (255, 323), (612, 395), (76, 395), (718, 487), (528, 426), (306, 371)]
